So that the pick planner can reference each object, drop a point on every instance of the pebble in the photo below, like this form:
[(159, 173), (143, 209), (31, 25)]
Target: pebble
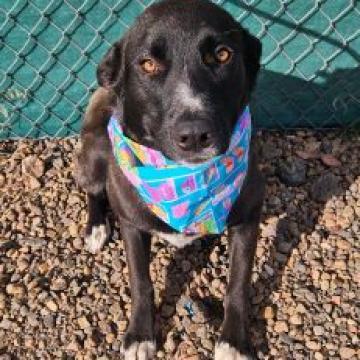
[(268, 312), (51, 305), (292, 172), (324, 187), (313, 345), (295, 319), (281, 326), (347, 353), (83, 322)]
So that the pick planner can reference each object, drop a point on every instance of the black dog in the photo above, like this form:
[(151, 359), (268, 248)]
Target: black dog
[(179, 78)]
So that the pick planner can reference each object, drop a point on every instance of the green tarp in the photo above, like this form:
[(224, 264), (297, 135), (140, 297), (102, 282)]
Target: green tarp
[(49, 51)]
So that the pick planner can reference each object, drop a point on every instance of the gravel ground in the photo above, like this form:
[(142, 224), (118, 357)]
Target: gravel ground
[(57, 301)]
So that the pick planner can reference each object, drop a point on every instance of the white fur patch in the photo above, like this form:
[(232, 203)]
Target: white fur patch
[(186, 96), (224, 351), (178, 240), (140, 351), (95, 241)]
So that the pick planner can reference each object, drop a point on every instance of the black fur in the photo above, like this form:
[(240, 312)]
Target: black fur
[(177, 33)]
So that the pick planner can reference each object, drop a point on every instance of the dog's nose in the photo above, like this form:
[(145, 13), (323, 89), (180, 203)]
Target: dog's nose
[(193, 136)]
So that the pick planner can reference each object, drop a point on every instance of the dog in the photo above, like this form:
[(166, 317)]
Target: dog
[(178, 79)]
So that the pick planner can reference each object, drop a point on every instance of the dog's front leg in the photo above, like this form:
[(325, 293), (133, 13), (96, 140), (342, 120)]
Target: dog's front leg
[(139, 339), (234, 342)]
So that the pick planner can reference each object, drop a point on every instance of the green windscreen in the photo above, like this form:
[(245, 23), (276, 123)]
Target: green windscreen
[(49, 51)]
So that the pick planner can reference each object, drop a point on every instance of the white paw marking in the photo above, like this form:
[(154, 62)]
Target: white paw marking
[(186, 96), (224, 351), (95, 241), (140, 351)]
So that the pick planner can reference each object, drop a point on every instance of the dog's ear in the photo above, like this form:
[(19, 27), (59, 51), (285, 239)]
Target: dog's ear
[(252, 53), (110, 71)]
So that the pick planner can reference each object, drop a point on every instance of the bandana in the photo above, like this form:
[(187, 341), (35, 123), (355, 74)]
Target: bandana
[(192, 199)]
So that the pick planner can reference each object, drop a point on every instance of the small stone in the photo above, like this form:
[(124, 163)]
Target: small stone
[(58, 284), (74, 229), (285, 247), (295, 319), (318, 330), (33, 166), (110, 337), (207, 343), (292, 172), (6, 324), (346, 353), (83, 322), (330, 160), (318, 356), (268, 312), (313, 345), (51, 305), (281, 326), (324, 187), (122, 325), (77, 242), (340, 265), (33, 183), (15, 290)]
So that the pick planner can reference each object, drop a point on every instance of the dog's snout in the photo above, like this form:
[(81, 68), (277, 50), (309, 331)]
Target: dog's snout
[(193, 136)]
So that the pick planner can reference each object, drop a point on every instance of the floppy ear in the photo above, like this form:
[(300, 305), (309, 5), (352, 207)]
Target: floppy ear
[(252, 53), (110, 71)]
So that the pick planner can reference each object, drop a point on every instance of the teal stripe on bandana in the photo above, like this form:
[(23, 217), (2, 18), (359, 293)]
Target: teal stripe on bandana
[(194, 199)]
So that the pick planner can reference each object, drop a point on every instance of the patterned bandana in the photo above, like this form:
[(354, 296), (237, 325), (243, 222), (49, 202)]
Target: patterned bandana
[(193, 199)]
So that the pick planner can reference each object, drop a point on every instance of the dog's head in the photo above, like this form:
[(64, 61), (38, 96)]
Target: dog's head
[(182, 75)]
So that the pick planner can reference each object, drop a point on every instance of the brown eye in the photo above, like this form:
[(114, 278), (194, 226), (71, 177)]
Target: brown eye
[(149, 66), (223, 55)]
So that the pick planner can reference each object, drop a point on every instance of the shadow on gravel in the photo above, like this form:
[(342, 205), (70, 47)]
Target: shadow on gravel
[(287, 236), (208, 309)]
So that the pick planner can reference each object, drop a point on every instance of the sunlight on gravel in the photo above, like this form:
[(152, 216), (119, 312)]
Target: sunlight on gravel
[(58, 301)]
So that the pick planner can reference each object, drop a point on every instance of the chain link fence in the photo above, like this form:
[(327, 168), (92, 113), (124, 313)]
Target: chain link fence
[(50, 49)]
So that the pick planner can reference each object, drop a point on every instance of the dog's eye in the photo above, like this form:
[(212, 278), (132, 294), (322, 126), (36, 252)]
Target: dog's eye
[(150, 66), (223, 54)]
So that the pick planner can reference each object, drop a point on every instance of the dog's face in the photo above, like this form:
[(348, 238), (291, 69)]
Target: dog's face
[(182, 74)]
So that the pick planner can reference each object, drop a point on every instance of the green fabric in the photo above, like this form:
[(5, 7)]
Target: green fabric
[(49, 51)]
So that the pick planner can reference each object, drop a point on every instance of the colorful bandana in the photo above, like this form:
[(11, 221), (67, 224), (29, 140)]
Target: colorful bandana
[(192, 199)]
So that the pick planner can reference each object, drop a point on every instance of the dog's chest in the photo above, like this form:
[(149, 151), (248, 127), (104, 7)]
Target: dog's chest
[(176, 239)]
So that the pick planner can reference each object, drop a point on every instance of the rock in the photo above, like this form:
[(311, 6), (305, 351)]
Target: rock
[(313, 345), (15, 290), (74, 229), (324, 187), (284, 247), (83, 322), (58, 284), (6, 324), (295, 319), (330, 160), (268, 312), (51, 305), (33, 183), (33, 166), (318, 330), (292, 172), (346, 353), (281, 326)]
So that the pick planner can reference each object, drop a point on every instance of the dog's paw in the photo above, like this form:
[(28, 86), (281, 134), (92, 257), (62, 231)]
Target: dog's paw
[(140, 351), (224, 351), (97, 238)]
